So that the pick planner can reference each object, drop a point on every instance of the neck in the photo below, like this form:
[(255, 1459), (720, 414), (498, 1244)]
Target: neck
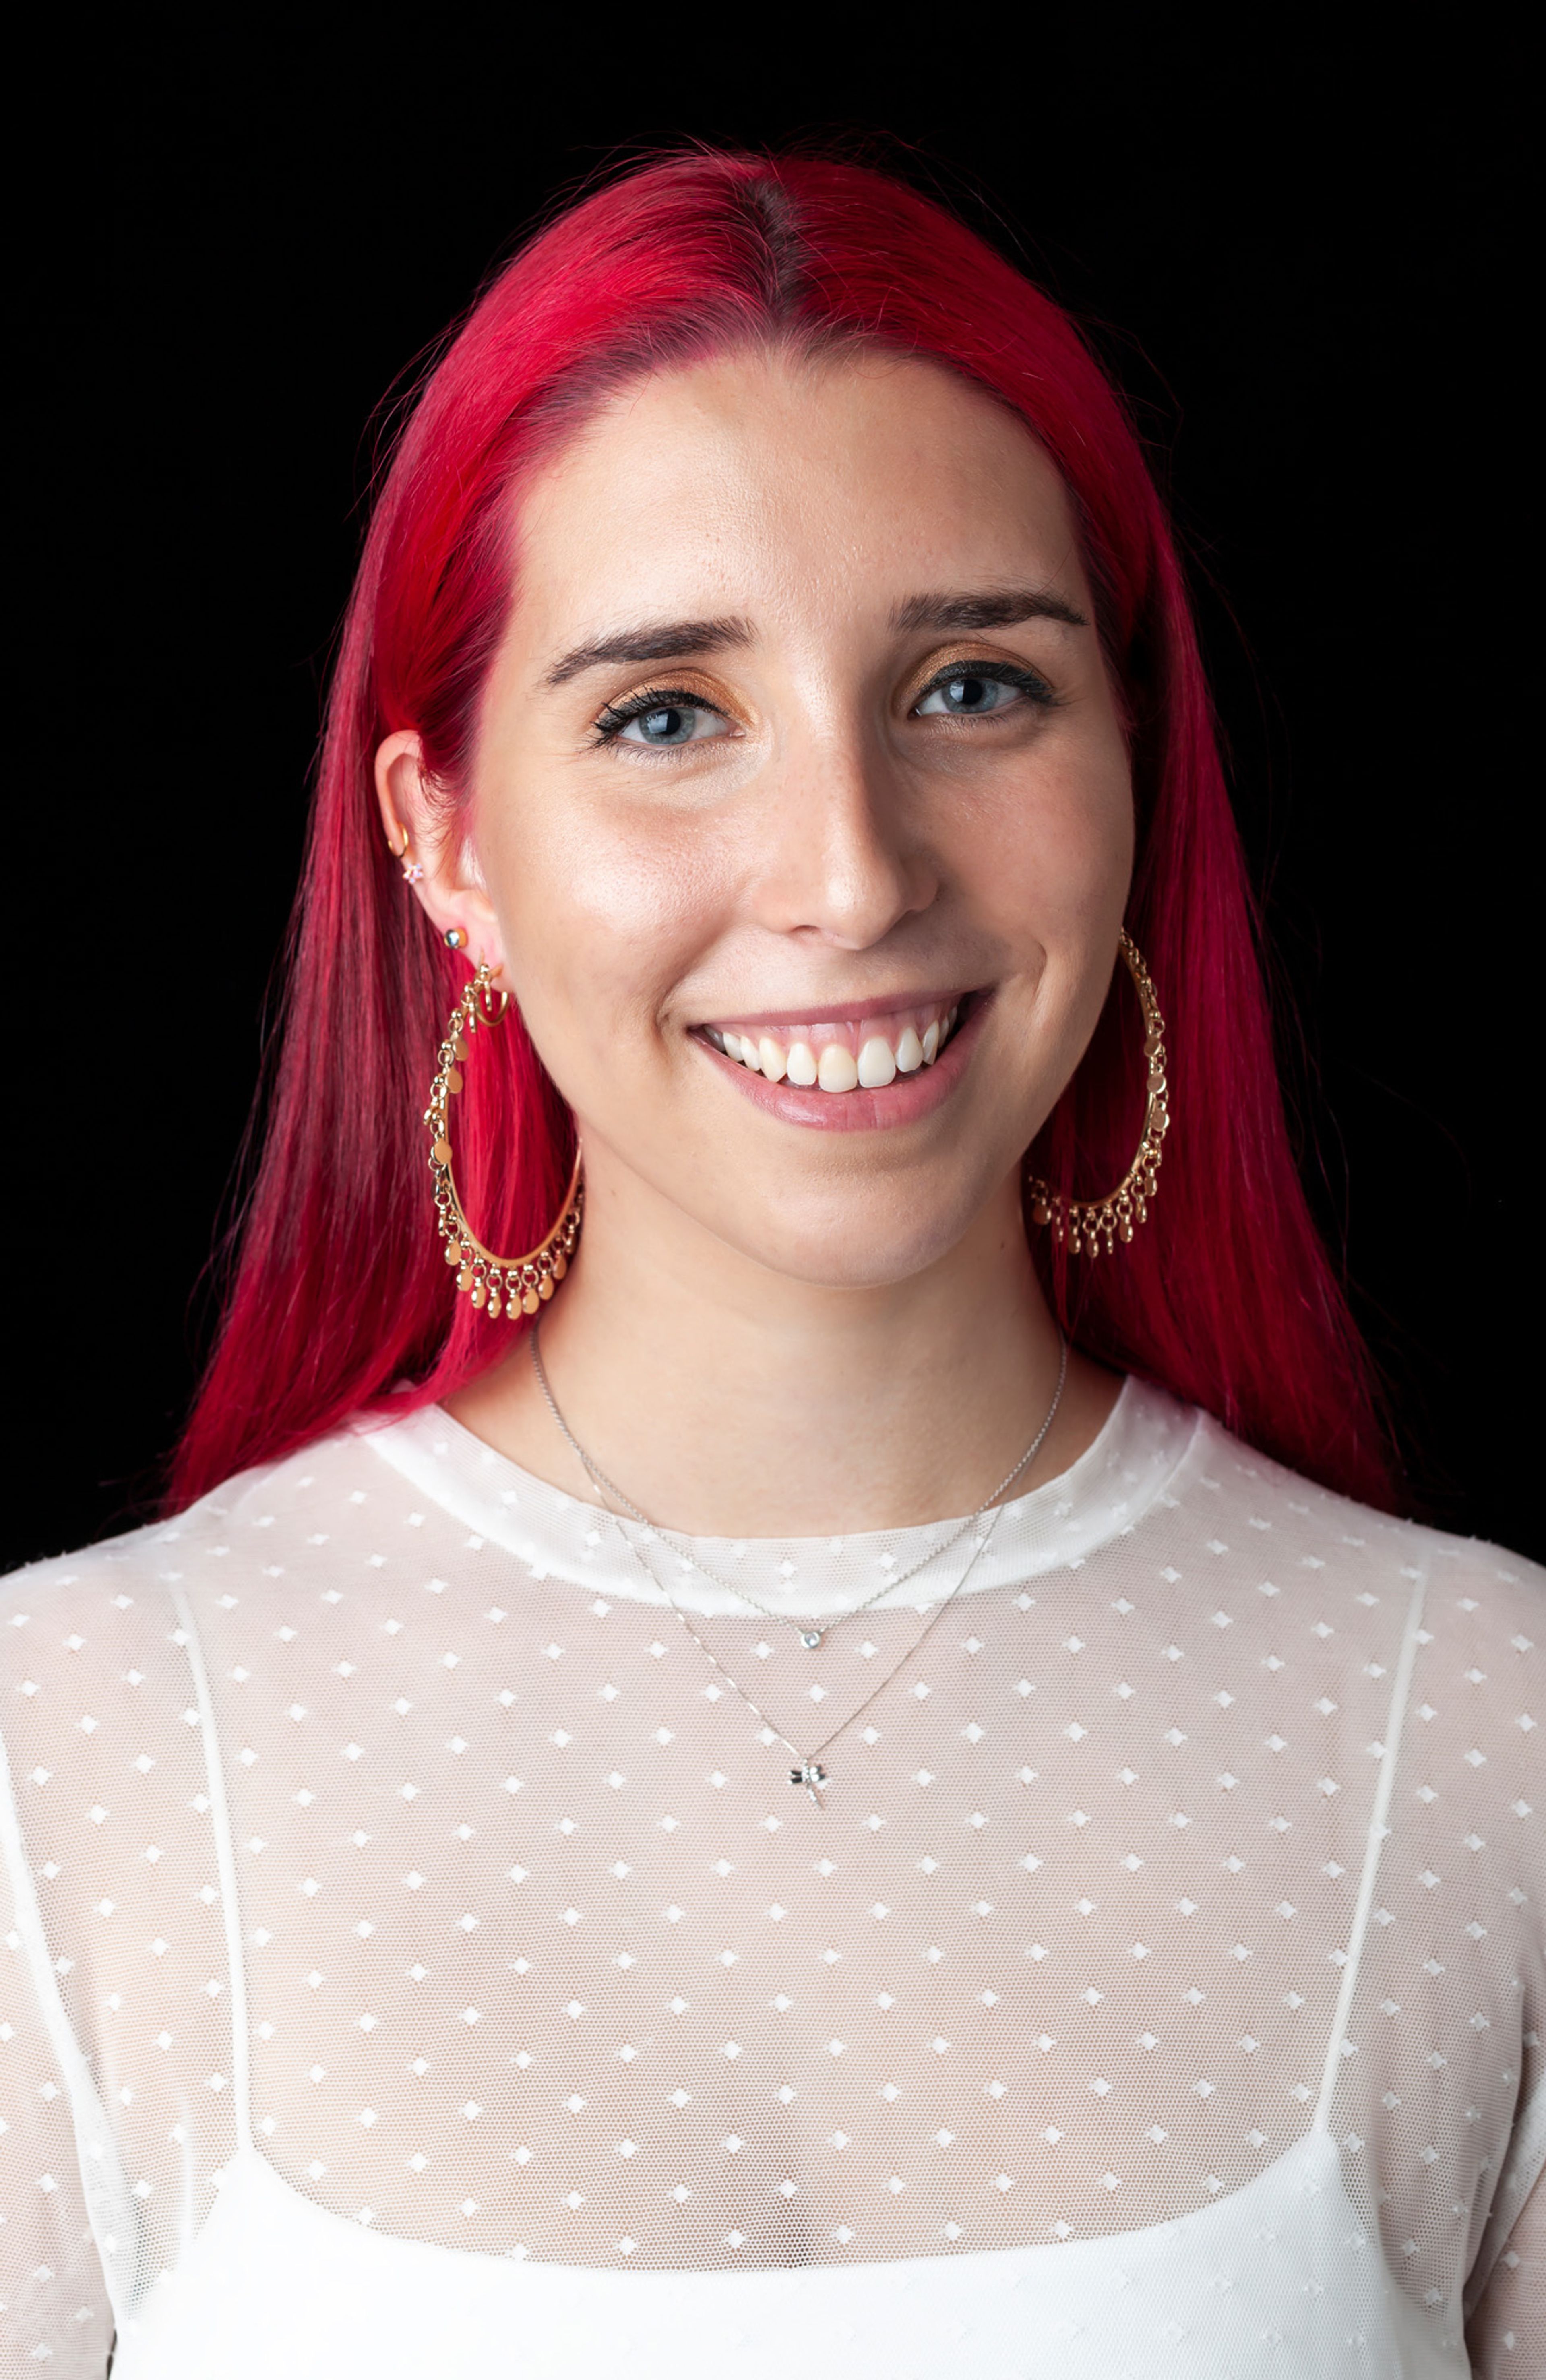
[(729, 1401)]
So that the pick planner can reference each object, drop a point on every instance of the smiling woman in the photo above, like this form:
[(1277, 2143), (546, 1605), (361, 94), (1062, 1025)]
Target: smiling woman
[(871, 801), (885, 1773)]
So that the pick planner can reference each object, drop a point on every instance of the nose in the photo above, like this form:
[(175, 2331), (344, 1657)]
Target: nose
[(845, 856)]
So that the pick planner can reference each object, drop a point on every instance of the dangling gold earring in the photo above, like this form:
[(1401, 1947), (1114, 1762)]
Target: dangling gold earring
[(508, 1285), (1083, 1223)]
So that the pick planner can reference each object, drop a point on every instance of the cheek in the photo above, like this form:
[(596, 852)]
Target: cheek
[(601, 918), (1051, 862)]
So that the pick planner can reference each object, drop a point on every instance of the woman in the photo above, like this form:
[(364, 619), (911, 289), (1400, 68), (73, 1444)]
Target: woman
[(782, 1719)]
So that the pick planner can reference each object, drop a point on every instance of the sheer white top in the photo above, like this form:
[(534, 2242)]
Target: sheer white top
[(420, 1963)]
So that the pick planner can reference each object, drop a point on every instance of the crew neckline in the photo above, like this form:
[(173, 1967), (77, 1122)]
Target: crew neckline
[(1103, 1494)]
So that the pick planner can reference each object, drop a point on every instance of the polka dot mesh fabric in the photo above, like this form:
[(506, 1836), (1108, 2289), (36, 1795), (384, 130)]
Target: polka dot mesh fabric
[(544, 1957)]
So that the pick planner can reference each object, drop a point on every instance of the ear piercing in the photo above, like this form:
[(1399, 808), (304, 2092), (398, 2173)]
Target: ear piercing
[(413, 872)]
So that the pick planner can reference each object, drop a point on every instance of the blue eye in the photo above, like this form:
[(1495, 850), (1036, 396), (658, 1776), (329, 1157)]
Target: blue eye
[(662, 722), (970, 694)]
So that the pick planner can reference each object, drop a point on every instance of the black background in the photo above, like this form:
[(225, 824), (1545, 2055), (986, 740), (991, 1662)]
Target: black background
[(1297, 241)]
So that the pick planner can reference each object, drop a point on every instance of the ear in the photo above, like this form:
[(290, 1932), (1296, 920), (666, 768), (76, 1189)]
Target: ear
[(441, 865)]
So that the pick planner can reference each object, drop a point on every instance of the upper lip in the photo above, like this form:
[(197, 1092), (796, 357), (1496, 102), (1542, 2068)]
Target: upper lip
[(837, 1012)]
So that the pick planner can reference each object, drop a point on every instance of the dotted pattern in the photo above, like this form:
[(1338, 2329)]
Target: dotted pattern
[(545, 1957)]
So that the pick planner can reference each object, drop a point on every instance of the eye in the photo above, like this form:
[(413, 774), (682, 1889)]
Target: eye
[(662, 721), (972, 692)]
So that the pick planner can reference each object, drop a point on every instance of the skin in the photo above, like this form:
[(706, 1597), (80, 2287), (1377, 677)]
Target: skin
[(772, 1328), (773, 1331)]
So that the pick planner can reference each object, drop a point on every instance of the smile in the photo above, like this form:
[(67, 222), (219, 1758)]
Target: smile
[(876, 1071), (863, 1054)]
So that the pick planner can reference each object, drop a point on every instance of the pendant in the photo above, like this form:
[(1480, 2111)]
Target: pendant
[(810, 1638), (812, 1775)]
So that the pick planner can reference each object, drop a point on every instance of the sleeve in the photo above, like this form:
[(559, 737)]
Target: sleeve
[(55, 2313)]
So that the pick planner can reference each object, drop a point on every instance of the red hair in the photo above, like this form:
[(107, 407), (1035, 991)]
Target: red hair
[(1226, 1297)]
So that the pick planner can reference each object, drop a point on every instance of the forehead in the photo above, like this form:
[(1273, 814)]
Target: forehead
[(770, 484)]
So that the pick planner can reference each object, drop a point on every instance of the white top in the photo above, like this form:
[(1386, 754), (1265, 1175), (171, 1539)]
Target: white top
[(422, 1962)]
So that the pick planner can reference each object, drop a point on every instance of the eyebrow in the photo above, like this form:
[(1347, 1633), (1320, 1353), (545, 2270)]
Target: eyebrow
[(958, 613), (990, 608), (657, 640)]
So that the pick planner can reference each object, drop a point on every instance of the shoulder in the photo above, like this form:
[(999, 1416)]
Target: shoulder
[(1329, 1579), (117, 1603), (1324, 1530), (1355, 1589)]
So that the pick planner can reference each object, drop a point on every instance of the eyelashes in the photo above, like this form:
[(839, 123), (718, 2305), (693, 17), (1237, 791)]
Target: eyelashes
[(964, 686), (670, 718), (676, 710)]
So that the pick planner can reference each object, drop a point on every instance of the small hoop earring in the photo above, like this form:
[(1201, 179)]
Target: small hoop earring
[(1081, 1223), (508, 1285), (413, 872)]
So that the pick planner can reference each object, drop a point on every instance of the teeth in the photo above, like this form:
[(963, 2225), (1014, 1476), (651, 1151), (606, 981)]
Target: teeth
[(845, 1063), (876, 1067)]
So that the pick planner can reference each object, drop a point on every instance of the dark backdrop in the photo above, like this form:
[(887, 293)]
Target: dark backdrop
[(1296, 246)]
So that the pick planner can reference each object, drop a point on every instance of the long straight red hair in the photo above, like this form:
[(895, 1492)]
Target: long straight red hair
[(339, 1295)]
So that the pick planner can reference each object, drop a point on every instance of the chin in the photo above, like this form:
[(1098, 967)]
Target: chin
[(857, 1241)]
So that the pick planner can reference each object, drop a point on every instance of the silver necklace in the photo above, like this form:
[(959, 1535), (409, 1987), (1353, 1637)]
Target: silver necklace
[(808, 1769), (809, 1635)]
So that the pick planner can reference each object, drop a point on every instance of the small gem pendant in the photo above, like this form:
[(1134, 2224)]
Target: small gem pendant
[(810, 1774), (810, 1638)]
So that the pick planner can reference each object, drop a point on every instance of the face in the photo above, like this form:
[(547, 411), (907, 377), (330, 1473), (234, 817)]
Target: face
[(802, 823)]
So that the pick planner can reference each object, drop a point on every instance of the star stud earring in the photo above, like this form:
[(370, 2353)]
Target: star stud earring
[(413, 872)]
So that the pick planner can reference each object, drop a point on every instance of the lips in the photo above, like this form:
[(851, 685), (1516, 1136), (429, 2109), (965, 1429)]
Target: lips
[(841, 1055), (878, 1070)]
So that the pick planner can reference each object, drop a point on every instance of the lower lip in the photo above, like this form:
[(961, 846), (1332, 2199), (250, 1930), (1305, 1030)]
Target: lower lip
[(906, 1100)]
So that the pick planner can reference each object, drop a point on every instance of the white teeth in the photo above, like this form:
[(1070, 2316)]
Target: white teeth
[(834, 1066), (837, 1071), (876, 1067)]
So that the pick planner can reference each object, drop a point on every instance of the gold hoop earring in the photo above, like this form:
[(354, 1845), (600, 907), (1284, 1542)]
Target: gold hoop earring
[(1083, 1223), (508, 1285)]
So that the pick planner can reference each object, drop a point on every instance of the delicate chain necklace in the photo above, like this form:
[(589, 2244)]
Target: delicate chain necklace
[(808, 1770), (810, 1636)]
